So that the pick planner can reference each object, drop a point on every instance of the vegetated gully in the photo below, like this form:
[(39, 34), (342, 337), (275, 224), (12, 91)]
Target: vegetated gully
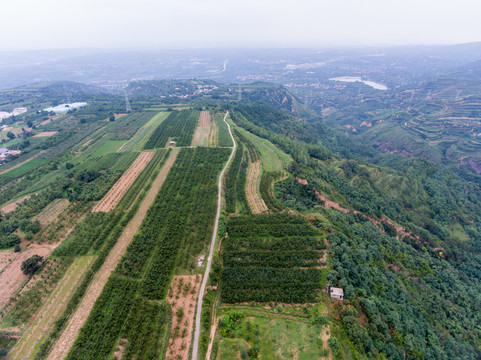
[(195, 348)]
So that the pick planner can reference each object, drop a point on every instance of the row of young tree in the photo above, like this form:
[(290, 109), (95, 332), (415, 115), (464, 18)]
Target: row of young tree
[(179, 126), (271, 258)]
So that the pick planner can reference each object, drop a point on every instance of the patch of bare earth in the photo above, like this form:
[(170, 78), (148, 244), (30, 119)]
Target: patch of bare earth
[(325, 336), (118, 116), (13, 205), (201, 134), (45, 134), (75, 323), (6, 257), (12, 277), (255, 201), (111, 199), (51, 212), (182, 297)]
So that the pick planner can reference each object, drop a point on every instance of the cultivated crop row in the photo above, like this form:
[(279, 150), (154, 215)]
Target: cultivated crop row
[(179, 219), (142, 182), (272, 258), (266, 190), (176, 227), (235, 194), (113, 196), (179, 126), (105, 320)]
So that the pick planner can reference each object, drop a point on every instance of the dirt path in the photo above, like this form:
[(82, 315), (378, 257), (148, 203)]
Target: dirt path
[(201, 134), (68, 336), (182, 295), (255, 201), (51, 310), (111, 199), (325, 336), (195, 348), (12, 277), (45, 134)]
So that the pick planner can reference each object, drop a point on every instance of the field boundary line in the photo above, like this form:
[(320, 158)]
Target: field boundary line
[(200, 298)]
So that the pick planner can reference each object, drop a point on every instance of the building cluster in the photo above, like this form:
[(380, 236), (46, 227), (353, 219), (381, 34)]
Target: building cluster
[(4, 152)]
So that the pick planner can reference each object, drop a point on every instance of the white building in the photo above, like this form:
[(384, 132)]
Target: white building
[(336, 293)]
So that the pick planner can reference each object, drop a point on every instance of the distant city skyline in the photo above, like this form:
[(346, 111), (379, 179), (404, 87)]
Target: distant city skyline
[(50, 24)]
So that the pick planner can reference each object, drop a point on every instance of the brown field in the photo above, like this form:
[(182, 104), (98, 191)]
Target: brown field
[(6, 258), (60, 227), (201, 135), (255, 201), (13, 205), (45, 122), (182, 295), (45, 134), (118, 116), (68, 336), (51, 212), (111, 199), (12, 277)]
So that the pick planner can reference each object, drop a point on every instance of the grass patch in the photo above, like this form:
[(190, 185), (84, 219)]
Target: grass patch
[(23, 169), (272, 158), (273, 337), (109, 147)]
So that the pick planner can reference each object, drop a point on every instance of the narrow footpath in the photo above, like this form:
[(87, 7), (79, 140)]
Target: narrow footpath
[(195, 348)]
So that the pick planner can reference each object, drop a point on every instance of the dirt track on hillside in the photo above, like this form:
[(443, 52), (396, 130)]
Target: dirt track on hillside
[(112, 198), (68, 336)]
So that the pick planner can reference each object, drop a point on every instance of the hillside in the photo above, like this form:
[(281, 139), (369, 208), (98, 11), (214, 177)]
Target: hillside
[(122, 209)]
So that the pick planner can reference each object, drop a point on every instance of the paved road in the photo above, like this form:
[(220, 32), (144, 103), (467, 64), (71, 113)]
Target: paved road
[(195, 349)]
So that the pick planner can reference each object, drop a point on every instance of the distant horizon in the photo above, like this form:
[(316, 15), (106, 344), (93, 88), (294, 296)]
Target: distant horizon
[(245, 47)]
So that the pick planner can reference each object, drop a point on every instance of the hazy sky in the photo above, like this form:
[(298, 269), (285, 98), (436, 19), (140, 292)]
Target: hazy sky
[(34, 24)]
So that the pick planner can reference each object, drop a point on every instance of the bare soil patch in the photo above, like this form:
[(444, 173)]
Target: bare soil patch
[(13, 205), (57, 230), (118, 116), (201, 134), (45, 122), (68, 336), (182, 297), (111, 199), (12, 277), (325, 336), (255, 201), (6, 257), (51, 211), (45, 134)]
